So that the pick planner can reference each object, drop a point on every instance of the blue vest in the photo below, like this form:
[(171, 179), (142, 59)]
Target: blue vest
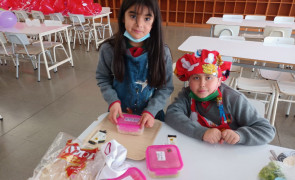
[(134, 92)]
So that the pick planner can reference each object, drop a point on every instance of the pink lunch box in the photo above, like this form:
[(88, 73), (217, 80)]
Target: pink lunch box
[(163, 161), (129, 124)]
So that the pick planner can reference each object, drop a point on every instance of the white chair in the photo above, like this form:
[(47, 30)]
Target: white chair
[(258, 86), (25, 48), (255, 17), (278, 41), (102, 26), (5, 51), (20, 15), (81, 29), (283, 20), (232, 17), (225, 30), (285, 89), (58, 17), (277, 31), (38, 15), (253, 34)]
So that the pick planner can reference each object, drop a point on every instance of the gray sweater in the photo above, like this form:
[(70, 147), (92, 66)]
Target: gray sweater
[(105, 77), (252, 128)]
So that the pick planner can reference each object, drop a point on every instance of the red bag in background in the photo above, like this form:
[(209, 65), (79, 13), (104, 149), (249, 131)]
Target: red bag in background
[(97, 8), (70, 161)]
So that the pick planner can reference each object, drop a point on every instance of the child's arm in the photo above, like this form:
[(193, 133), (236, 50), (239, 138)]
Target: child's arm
[(253, 129), (158, 100), (177, 116), (105, 75)]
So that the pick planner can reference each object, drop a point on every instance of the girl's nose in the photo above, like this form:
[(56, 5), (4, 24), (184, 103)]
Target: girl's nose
[(139, 22)]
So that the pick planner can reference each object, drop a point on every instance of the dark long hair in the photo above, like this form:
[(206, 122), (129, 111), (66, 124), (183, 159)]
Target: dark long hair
[(154, 45)]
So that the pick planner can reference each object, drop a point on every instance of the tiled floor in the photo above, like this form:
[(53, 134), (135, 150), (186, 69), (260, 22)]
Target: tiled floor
[(35, 112)]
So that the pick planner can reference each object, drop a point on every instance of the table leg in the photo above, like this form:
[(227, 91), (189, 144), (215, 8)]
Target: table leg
[(110, 27), (45, 60), (69, 47), (211, 30), (95, 33)]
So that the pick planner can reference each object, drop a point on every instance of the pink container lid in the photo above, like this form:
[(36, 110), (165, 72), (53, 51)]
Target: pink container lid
[(129, 120), (163, 159), (131, 174)]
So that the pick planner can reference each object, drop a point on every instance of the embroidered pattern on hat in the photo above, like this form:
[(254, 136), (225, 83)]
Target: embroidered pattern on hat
[(187, 65)]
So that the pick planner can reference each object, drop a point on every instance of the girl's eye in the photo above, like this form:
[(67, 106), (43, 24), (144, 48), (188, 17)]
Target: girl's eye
[(196, 78), (133, 16), (147, 19), (208, 78)]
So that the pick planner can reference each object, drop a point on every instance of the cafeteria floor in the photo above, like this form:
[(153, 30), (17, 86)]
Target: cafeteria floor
[(35, 112)]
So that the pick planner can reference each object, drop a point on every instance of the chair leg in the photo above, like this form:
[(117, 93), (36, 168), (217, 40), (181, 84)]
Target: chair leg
[(17, 65), (39, 67), (74, 40), (289, 106)]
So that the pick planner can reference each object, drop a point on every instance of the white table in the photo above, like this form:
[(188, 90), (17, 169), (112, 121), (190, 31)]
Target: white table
[(246, 23), (209, 162), (41, 31), (93, 17), (249, 50)]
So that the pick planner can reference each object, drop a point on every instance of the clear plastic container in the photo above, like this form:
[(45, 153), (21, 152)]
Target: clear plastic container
[(163, 161), (131, 174), (129, 124)]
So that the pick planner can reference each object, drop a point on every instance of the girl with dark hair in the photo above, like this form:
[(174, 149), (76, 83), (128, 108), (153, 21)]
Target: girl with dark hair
[(134, 72)]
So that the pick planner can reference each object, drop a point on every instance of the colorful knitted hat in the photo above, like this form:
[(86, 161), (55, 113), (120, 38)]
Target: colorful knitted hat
[(203, 61)]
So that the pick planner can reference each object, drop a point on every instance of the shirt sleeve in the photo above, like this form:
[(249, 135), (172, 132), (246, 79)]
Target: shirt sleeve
[(105, 75), (158, 100), (178, 117), (253, 128)]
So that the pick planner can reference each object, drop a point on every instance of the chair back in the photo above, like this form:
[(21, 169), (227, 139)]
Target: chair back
[(284, 20), (77, 18), (278, 40), (277, 31), (255, 17), (2, 38), (57, 17), (232, 16), (21, 39), (225, 30), (21, 15), (38, 15), (105, 10)]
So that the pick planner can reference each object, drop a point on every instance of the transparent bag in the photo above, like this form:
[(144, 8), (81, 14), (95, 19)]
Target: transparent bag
[(65, 159)]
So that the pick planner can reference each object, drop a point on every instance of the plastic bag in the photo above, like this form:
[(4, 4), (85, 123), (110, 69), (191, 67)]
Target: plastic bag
[(277, 170), (66, 160)]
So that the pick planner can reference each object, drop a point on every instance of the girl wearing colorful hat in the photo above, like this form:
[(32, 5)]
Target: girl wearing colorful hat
[(210, 110)]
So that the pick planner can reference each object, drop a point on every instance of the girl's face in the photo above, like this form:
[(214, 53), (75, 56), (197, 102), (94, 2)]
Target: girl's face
[(138, 22), (203, 85)]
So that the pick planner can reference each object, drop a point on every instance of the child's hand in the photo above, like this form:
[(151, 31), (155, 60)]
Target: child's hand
[(230, 136), (114, 111), (146, 120), (212, 136)]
